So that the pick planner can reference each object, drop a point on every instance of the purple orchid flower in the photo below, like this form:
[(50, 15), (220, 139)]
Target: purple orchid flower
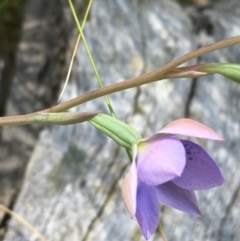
[(167, 170)]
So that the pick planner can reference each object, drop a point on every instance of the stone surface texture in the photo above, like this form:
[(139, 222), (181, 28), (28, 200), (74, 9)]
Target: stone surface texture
[(37, 77), (72, 185)]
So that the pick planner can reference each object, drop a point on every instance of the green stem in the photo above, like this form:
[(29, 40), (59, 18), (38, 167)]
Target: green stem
[(94, 66), (161, 231), (75, 49), (91, 58), (143, 79)]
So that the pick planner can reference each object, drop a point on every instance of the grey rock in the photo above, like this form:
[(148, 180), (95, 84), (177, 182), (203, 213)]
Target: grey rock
[(216, 103), (38, 73), (72, 187)]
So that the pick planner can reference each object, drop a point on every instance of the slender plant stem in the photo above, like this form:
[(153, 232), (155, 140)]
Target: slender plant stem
[(75, 48), (16, 120), (90, 57), (127, 84), (143, 79), (22, 221), (63, 118), (161, 231), (95, 68)]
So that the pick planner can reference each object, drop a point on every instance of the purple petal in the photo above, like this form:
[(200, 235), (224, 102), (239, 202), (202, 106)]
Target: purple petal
[(178, 198), (160, 160), (148, 213), (190, 127), (129, 190), (201, 172)]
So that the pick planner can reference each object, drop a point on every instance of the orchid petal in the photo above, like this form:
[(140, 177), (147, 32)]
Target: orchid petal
[(148, 213), (190, 127), (201, 172), (129, 190), (160, 160), (178, 198)]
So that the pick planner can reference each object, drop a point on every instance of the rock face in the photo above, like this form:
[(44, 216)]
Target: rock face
[(39, 70), (72, 186)]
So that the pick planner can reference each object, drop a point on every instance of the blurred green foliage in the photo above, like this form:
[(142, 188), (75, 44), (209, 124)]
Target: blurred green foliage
[(3, 3)]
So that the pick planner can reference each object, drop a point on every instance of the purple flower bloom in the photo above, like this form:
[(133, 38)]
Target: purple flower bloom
[(167, 170)]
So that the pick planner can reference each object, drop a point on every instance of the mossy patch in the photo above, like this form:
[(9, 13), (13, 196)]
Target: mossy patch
[(66, 171)]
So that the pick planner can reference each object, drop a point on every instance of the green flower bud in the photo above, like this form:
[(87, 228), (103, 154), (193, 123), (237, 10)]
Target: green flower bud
[(119, 131), (231, 71)]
